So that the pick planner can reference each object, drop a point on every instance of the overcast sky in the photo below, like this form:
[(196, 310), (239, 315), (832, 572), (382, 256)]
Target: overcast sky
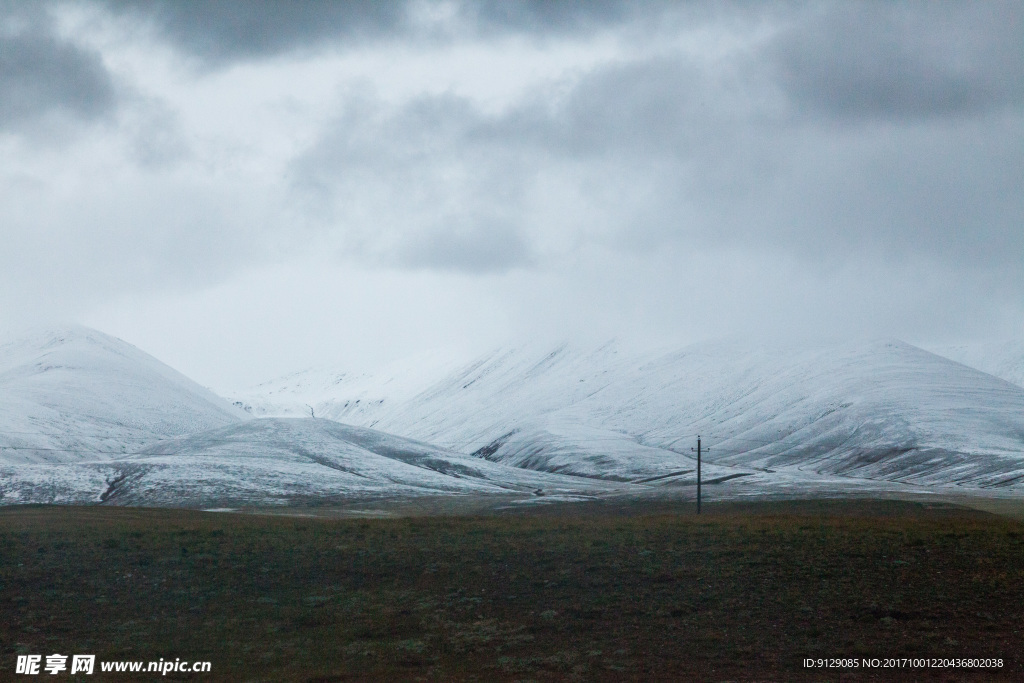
[(243, 188)]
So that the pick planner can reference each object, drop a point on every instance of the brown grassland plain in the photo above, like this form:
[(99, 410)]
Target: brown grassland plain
[(572, 592)]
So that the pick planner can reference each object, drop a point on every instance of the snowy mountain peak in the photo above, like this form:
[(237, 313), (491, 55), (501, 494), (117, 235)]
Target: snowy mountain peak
[(39, 340), (73, 393)]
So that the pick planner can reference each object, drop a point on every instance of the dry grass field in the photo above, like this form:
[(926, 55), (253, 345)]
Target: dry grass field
[(743, 593)]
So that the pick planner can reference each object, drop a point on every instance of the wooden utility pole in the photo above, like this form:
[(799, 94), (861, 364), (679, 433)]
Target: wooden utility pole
[(698, 472)]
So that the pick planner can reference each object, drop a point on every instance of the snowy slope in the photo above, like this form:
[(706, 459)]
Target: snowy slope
[(73, 394), (879, 410), (275, 461), (1004, 359)]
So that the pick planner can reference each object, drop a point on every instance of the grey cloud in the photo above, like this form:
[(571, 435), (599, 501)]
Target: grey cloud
[(220, 31), (418, 187), (44, 76), (841, 60), (949, 193), (555, 16), (898, 60), (154, 135), (642, 106), (223, 31), (663, 107), (717, 155)]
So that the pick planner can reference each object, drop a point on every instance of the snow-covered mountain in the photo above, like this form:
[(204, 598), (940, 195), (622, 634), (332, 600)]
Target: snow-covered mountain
[(1004, 359), (879, 410), (87, 418), (72, 394)]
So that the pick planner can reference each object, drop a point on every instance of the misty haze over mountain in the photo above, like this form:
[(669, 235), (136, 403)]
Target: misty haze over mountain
[(244, 189)]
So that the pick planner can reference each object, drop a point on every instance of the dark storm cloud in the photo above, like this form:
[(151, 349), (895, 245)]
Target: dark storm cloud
[(891, 60), (43, 75), (848, 61), (224, 31), (719, 157)]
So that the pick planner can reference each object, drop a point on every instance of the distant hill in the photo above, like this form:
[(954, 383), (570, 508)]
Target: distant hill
[(279, 461)]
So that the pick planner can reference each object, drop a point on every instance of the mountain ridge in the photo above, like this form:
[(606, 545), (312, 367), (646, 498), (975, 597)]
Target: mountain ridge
[(881, 409)]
